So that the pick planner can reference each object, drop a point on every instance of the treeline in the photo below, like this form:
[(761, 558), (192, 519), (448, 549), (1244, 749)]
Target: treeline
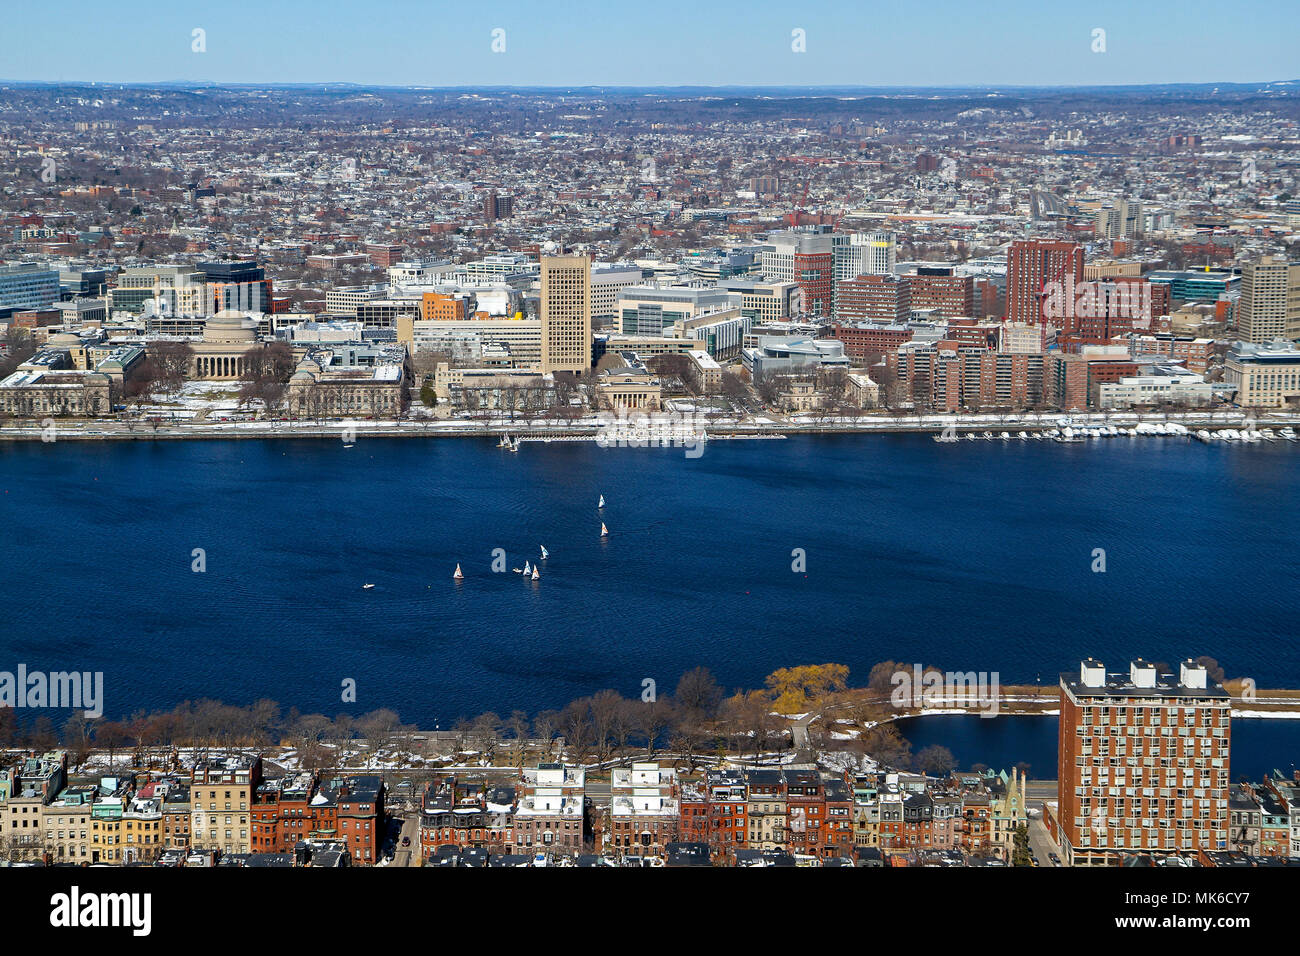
[(698, 719)]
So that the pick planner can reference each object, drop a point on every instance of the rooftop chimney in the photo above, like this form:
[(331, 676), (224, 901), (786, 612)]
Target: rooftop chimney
[(1142, 673), (1092, 673)]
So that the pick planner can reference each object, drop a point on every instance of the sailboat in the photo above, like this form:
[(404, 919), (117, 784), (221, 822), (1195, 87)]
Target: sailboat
[(535, 574), (604, 532), (515, 445), (458, 576), (504, 442), (526, 569), (366, 587), (545, 554), (601, 503)]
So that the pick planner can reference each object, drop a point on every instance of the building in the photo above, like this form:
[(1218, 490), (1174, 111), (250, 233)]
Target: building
[(25, 791), (1120, 219), (36, 393), (220, 355), (170, 290), (497, 206), (882, 299), (766, 812), (467, 813), (644, 809), (607, 282), (807, 259), (779, 355), (221, 797), (1142, 763), (318, 389), (941, 290), (550, 811), (765, 302), (566, 314), (27, 285), (1156, 385), (1264, 376), (651, 311), (1033, 265), (360, 802), (521, 339), (1269, 308)]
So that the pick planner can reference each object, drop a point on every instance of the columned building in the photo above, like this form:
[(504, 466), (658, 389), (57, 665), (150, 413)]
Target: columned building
[(227, 336)]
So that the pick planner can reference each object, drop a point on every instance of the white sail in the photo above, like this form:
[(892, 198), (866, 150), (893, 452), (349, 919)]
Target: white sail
[(526, 568), (545, 554), (601, 503), (535, 574), (458, 575), (603, 530)]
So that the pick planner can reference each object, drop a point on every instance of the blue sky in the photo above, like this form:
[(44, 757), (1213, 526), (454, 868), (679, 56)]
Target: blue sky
[(665, 43)]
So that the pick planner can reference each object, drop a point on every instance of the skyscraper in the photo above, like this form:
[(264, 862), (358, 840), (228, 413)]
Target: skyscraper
[(1142, 764), (1031, 265), (1270, 301), (566, 314)]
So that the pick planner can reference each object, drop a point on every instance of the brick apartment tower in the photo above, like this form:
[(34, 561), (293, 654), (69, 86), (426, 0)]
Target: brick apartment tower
[(566, 314), (1143, 763), (1033, 263)]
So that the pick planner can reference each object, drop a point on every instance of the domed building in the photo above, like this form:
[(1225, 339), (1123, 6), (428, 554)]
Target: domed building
[(219, 356)]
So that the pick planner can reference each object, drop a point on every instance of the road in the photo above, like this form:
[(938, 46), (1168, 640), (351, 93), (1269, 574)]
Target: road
[(408, 855)]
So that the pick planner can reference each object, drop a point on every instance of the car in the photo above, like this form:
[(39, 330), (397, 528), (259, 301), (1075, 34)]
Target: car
[(406, 841), (1056, 860)]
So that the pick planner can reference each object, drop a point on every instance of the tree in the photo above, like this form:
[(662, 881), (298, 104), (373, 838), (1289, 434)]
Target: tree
[(1020, 853), (698, 695), (936, 760), (798, 688), (172, 362)]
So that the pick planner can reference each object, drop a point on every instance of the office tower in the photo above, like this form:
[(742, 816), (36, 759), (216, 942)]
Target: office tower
[(566, 314), (1032, 265), (1142, 764), (1270, 301)]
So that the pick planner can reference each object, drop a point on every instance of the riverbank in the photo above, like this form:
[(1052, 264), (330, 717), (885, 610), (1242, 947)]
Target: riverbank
[(671, 428)]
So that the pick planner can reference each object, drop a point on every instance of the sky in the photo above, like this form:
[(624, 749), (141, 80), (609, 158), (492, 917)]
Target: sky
[(664, 43)]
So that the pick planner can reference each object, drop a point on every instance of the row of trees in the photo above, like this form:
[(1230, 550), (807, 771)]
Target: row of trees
[(699, 719)]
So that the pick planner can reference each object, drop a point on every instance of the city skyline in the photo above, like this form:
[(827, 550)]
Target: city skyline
[(414, 45)]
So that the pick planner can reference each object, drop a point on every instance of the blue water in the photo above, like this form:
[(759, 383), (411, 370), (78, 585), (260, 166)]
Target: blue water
[(1258, 746), (970, 556)]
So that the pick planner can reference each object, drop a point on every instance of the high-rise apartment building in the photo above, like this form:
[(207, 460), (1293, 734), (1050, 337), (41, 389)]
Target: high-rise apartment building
[(1270, 301), (1120, 219), (1033, 265), (1143, 763), (566, 314), (496, 206)]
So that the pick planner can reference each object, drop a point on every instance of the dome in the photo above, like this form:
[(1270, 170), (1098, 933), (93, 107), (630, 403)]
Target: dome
[(229, 327), (63, 339)]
